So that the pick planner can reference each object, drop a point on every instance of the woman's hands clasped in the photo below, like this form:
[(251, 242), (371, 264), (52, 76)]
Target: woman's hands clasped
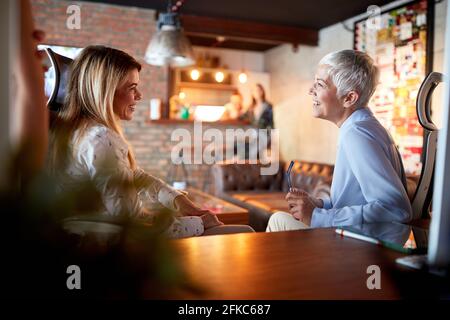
[(302, 205), (188, 208)]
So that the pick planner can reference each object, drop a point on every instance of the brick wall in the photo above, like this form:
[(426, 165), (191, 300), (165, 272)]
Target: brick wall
[(128, 29), (125, 28), (154, 146)]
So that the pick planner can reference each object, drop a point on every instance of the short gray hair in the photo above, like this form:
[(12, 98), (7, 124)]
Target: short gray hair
[(352, 70)]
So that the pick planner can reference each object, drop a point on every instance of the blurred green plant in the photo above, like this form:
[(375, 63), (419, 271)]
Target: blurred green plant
[(138, 262)]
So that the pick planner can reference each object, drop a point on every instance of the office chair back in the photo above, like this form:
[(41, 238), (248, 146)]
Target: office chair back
[(57, 79), (422, 197)]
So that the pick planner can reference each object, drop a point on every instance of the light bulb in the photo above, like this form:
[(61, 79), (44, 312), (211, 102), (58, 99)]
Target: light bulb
[(219, 76), (242, 77), (182, 95), (195, 74)]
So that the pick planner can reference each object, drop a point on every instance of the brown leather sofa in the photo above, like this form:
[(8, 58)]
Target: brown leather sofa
[(243, 185), (262, 195)]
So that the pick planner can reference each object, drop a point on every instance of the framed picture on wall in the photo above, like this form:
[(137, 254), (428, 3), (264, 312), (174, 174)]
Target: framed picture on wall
[(400, 41)]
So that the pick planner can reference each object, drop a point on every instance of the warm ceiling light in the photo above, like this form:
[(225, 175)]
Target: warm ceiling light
[(219, 76), (242, 77), (182, 95), (195, 74), (169, 46)]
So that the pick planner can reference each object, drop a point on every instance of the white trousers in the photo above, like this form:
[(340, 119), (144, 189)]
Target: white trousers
[(283, 221)]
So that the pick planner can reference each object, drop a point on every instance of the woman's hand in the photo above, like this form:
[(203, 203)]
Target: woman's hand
[(188, 208), (301, 205), (210, 220), (298, 193)]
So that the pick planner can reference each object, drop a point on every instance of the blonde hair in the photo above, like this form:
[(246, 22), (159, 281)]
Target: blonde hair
[(95, 75)]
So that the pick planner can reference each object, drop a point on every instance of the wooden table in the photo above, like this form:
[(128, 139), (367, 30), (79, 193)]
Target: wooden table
[(227, 212), (309, 264)]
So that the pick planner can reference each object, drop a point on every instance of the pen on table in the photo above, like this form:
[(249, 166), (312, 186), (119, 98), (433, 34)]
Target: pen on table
[(357, 236)]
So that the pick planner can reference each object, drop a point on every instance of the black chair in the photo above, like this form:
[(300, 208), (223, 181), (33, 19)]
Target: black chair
[(57, 79), (102, 231), (424, 192)]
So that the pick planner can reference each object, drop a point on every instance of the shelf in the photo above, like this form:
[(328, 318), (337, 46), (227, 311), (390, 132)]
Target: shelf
[(211, 86), (206, 80), (180, 121)]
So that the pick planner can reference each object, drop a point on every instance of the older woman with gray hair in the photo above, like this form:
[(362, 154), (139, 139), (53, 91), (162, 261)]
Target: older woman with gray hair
[(369, 180)]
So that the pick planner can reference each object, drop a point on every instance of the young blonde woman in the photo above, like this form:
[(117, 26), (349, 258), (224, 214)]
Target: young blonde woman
[(87, 143)]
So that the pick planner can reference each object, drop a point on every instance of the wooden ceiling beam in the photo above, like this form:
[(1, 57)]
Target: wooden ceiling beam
[(248, 31), (229, 43)]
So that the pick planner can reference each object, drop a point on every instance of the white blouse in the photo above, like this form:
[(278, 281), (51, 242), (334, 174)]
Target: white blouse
[(100, 155)]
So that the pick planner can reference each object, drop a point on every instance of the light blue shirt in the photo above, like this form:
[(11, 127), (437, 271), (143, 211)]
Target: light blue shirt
[(368, 180)]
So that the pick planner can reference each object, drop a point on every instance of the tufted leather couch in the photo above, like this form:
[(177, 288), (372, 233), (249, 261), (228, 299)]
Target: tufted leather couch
[(262, 195)]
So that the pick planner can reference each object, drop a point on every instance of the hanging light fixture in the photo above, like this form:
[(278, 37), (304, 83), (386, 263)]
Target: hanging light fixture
[(169, 46)]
